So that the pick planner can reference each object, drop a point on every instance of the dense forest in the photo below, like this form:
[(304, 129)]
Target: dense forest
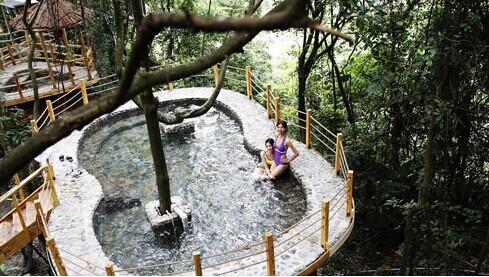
[(410, 96)]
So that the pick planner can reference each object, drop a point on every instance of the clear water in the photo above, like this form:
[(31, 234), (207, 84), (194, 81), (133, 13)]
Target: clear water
[(209, 167)]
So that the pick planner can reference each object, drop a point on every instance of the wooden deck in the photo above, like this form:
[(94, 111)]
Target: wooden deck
[(29, 215)]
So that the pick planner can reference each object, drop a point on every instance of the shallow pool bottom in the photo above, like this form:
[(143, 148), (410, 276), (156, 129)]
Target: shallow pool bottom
[(209, 167)]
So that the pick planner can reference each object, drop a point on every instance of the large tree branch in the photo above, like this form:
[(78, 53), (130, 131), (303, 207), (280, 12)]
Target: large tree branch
[(132, 83)]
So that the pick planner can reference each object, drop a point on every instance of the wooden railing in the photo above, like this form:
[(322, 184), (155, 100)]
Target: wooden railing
[(15, 52), (274, 245)]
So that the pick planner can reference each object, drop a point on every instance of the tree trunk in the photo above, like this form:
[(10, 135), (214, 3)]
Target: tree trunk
[(150, 108), (119, 41), (483, 255), (341, 88), (35, 88)]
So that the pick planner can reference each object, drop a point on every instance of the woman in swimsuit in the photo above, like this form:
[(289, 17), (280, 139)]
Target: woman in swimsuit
[(281, 145), (267, 158)]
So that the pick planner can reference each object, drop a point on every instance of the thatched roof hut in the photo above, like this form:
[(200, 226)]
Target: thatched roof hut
[(52, 14)]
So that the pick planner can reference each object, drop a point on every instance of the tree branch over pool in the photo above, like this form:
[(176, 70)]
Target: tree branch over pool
[(134, 82)]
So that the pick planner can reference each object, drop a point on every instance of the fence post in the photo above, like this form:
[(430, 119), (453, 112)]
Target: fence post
[(109, 269), (277, 109), (54, 195), (70, 72), (83, 88), (197, 264), (50, 111), (249, 90), (35, 129), (12, 59), (46, 58), (337, 163), (325, 225), (56, 256), (308, 128), (2, 67), (269, 101), (349, 199), (170, 84), (216, 74), (270, 254), (17, 84), (86, 57)]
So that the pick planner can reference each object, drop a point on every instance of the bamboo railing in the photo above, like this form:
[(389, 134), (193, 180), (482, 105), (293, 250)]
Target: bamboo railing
[(273, 245)]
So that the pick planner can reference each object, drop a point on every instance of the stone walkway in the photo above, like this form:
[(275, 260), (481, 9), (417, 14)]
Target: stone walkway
[(80, 192)]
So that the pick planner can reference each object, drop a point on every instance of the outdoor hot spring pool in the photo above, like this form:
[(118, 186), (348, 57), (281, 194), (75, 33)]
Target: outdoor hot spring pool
[(209, 168)]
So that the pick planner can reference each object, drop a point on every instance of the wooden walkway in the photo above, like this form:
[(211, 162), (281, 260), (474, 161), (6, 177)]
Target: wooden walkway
[(29, 216)]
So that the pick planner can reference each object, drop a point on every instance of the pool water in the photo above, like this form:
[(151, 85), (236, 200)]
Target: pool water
[(209, 168)]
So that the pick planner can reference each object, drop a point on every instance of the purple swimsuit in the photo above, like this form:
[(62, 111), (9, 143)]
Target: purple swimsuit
[(279, 151)]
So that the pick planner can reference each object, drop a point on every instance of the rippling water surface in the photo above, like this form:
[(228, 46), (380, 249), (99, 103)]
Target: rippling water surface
[(209, 167)]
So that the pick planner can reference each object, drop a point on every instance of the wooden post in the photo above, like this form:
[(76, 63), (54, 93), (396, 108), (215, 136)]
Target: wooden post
[(41, 220), (197, 263), (325, 225), (86, 58), (50, 111), (349, 199), (170, 84), (277, 109), (2, 67), (65, 42), (269, 101), (12, 59), (51, 244), (17, 84), (83, 88), (26, 35), (249, 88), (46, 58), (53, 53), (70, 73), (337, 163), (308, 128), (35, 129), (216, 74), (17, 182), (270, 254), (109, 269), (54, 195), (19, 213)]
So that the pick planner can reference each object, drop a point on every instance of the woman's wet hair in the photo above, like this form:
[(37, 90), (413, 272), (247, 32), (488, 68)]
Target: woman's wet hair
[(269, 140), (283, 123)]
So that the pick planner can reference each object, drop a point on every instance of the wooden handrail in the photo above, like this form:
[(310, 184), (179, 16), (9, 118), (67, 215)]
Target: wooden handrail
[(9, 193)]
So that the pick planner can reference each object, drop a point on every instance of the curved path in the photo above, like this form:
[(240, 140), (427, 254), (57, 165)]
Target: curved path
[(80, 192)]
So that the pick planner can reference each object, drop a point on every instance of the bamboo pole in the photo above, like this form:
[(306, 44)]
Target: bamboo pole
[(337, 163), (270, 254), (46, 58), (269, 101), (308, 128), (216, 74), (109, 269), (170, 84), (197, 263), (35, 129), (349, 200), (277, 109), (12, 59), (51, 244), (52, 117), (17, 85), (83, 88), (325, 225), (249, 88)]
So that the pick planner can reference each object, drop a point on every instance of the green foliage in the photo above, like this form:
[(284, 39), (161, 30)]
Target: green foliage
[(14, 128)]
